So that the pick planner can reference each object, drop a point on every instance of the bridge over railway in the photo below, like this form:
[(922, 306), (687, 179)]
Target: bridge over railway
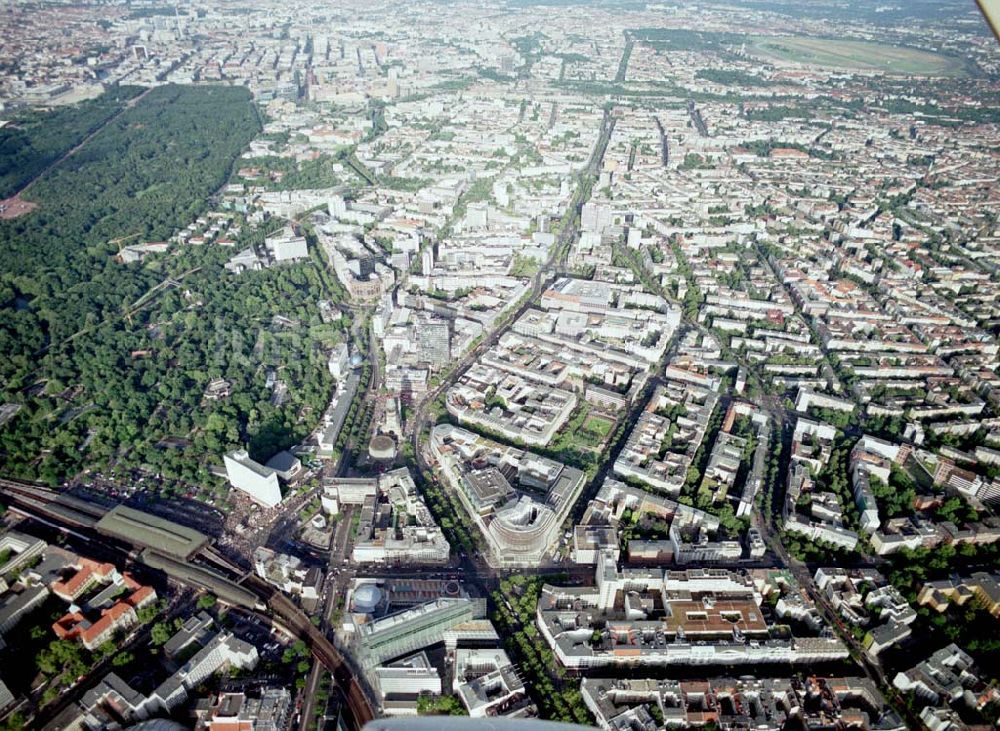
[(358, 706), (80, 518)]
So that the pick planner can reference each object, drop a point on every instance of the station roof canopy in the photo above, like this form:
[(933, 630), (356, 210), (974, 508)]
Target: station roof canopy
[(149, 531)]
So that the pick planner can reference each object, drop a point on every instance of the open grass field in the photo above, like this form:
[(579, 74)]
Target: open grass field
[(598, 426), (858, 55)]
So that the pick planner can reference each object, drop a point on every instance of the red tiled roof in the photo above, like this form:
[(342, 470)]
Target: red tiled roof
[(89, 570), (108, 619), (141, 595)]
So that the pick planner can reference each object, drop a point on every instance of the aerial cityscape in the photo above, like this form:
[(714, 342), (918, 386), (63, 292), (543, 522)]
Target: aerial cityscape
[(632, 365)]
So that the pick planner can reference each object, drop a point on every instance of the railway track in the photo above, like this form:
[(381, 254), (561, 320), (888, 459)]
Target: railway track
[(26, 488), (29, 499), (67, 512), (359, 708)]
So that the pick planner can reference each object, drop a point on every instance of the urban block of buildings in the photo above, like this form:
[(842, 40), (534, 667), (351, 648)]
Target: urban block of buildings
[(652, 617)]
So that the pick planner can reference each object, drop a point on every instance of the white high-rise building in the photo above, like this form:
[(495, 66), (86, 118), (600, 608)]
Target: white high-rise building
[(340, 362), (392, 86), (634, 237), (337, 206), (478, 214), (595, 217), (256, 480)]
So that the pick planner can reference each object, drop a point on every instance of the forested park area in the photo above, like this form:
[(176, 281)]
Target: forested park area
[(34, 140), (97, 387)]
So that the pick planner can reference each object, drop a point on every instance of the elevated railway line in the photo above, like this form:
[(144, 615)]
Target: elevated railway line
[(207, 570), (38, 501)]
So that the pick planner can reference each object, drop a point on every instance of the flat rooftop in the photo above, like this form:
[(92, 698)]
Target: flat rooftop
[(241, 457), (488, 485), (149, 531), (715, 618)]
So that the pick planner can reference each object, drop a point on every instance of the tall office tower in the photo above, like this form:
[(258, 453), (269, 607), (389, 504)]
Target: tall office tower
[(393, 85), (337, 206), (478, 214), (434, 343), (256, 480), (366, 267)]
